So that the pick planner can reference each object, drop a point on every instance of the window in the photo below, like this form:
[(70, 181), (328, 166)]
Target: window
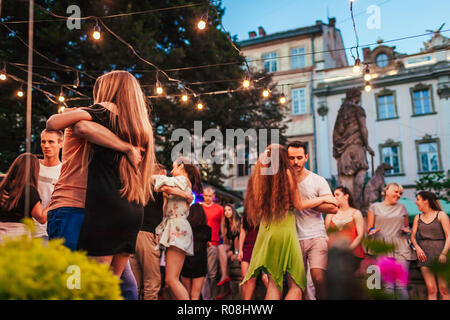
[(299, 101), (298, 59), (386, 107), (428, 153), (422, 101), (382, 60), (390, 154), (270, 62)]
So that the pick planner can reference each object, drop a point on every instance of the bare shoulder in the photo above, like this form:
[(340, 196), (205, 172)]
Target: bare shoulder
[(357, 214), (442, 216)]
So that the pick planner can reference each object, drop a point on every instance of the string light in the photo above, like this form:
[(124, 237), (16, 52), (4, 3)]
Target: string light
[(282, 99), (61, 96), (266, 93), (246, 83), (61, 109), (357, 66), (20, 93), (367, 75), (96, 33), (184, 98), (159, 90), (2, 76), (200, 106), (367, 86)]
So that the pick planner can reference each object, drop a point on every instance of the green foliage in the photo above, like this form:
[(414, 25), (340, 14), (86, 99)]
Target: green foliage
[(434, 182), (442, 269), (30, 270), (168, 39), (378, 247)]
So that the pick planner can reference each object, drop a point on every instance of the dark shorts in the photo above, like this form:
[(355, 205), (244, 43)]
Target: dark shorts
[(65, 222)]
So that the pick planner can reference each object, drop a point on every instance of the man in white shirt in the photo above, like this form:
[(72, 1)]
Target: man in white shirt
[(310, 224), (50, 168)]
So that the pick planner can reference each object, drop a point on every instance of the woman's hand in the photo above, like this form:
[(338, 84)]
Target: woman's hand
[(373, 231), (442, 258), (134, 156), (406, 229), (240, 256), (421, 255)]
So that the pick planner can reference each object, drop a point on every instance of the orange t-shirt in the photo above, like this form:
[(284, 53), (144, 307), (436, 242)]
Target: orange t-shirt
[(70, 190)]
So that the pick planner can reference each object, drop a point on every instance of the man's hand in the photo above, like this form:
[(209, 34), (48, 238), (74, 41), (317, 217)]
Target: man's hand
[(370, 151)]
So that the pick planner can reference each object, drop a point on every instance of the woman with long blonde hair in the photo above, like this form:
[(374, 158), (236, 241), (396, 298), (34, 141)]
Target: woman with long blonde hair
[(116, 189), (272, 194)]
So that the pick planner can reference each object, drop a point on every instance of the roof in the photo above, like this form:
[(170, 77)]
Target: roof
[(282, 35)]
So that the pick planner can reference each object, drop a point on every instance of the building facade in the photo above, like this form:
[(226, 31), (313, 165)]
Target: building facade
[(293, 57), (408, 110)]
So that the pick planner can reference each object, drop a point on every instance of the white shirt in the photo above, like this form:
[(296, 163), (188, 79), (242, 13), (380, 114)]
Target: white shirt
[(48, 176), (310, 223)]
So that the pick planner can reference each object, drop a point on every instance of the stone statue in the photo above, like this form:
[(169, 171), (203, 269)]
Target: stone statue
[(374, 187), (350, 145)]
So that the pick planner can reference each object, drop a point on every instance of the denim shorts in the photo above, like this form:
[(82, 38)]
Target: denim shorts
[(65, 222)]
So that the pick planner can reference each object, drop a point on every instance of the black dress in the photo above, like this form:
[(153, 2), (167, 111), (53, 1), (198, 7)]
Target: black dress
[(111, 223), (196, 266)]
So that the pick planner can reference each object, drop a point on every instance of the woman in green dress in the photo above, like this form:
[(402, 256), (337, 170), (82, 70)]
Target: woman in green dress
[(272, 194)]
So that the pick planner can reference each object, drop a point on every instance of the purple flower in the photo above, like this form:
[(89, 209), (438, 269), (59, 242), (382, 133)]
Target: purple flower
[(392, 271)]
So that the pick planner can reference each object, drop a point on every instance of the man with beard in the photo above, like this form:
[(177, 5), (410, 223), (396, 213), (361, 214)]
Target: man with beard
[(310, 224)]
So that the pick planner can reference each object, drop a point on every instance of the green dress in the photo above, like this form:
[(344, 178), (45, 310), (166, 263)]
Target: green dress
[(277, 251)]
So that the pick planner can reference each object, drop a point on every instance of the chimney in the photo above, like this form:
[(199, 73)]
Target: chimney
[(252, 34), (261, 31), (332, 22)]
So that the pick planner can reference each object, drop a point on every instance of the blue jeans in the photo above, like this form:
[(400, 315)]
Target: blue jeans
[(65, 222), (128, 285)]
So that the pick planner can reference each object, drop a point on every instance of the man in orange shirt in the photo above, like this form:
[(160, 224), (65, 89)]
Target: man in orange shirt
[(214, 213)]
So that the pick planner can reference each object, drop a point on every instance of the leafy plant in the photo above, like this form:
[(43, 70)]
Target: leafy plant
[(30, 269), (435, 182)]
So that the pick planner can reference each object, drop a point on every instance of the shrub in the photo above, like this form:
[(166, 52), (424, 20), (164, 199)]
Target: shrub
[(30, 269)]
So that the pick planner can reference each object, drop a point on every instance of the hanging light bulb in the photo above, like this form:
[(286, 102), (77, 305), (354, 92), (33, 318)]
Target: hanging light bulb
[(357, 66), (159, 89), (61, 109), (282, 99), (2, 76), (367, 75), (184, 98), (266, 93), (246, 83), (201, 24), (61, 96), (20, 93), (96, 33), (200, 106), (367, 86)]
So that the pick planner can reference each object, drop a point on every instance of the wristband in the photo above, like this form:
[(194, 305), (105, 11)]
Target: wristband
[(371, 229)]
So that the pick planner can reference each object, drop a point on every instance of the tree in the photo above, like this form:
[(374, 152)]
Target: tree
[(169, 39), (437, 183)]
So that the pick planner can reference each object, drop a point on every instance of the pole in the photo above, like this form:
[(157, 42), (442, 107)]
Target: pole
[(29, 101)]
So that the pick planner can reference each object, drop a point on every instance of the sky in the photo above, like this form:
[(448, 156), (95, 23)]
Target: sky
[(397, 19)]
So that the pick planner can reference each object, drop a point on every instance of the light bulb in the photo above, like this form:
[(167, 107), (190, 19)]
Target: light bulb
[(367, 87), (96, 34), (159, 90), (357, 66), (2, 76), (246, 83), (199, 106), (201, 24), (265, 93), (367, 77), (61, 109), (20, 93), (61, 98), (282, 99), (184, 98)]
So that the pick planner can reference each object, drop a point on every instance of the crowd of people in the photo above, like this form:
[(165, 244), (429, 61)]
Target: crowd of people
[(110, 198)]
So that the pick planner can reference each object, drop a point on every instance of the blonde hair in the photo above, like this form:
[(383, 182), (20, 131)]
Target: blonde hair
[(390, 185), (130, 120)]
